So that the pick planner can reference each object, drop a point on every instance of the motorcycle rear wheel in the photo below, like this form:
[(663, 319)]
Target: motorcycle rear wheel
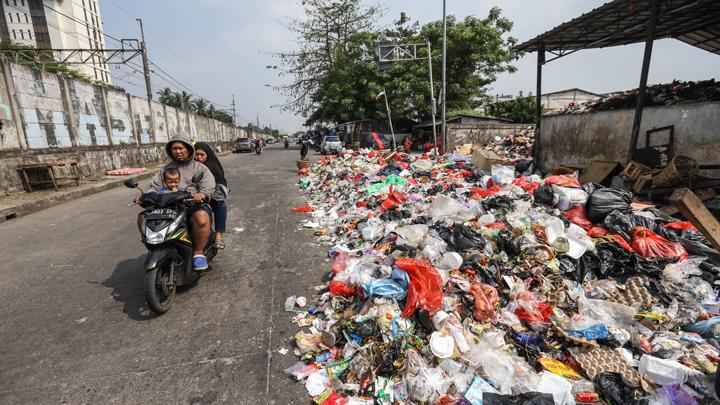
[(159, 293)]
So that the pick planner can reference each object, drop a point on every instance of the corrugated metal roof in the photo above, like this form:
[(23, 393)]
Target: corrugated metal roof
[(622, 22)]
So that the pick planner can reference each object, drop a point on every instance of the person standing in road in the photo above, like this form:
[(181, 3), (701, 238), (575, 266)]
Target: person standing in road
[(305, 147), (205, 155), (407, 144)]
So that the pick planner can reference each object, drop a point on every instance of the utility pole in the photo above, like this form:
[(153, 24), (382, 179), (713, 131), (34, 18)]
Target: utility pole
[(146, 67), (392, 131), (444, 82), (233, 108), (432, 99)]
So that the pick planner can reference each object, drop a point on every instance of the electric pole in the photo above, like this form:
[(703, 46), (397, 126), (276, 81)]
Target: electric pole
[(146, 66), (444, 79), (233, 108)]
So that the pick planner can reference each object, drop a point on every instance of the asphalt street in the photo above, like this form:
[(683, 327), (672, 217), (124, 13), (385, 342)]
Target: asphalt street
[(75, 328)]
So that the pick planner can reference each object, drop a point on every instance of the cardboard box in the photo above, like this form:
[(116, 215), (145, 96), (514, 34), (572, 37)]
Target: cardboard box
[(484, 159)]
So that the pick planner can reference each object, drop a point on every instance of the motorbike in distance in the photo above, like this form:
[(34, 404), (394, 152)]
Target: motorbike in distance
[(165, 233), (287, 144)]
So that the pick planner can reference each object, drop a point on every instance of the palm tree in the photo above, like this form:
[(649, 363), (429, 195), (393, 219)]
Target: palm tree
[(200, 106), (167, 97), (211, 112), (184, 100)]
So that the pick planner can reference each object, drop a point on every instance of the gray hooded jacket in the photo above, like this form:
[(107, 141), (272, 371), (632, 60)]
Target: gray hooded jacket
[(187, 169)]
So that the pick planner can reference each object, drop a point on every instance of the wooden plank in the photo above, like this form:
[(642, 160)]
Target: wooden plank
[(694, 211), (597, 172), (703, 195)]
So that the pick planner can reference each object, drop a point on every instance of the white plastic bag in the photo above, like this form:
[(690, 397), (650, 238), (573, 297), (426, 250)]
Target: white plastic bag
[(502, 174)]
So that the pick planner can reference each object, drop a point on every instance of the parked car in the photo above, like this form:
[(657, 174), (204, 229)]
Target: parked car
[(243, 145), (331, 144)]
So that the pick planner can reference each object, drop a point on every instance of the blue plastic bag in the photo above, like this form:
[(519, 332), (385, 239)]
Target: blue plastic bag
[(394, 287), (595, 332)]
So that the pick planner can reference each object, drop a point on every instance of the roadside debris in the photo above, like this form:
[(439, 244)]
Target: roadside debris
[(454, 284)]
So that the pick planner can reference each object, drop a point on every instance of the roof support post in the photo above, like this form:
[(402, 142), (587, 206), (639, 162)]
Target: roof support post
[(642, 88), (538, 104)]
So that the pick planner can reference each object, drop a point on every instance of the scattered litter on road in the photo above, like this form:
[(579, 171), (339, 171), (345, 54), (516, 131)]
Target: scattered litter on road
[(283, 351), (81, 320), (238, 229), (453, 284)]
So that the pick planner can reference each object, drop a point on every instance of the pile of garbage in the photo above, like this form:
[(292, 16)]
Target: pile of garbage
[(677, 92), (518, 145), (451, 285)]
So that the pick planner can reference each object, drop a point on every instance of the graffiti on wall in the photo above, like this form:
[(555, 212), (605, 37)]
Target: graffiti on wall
[(161, 133), (39, 98), (88, 105), (141, 112), (120, 121), (171, 114)]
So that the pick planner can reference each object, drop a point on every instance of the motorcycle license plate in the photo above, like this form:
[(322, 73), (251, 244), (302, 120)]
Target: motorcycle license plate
[(161, 213)]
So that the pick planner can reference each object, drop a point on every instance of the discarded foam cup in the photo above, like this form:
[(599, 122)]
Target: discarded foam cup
[(441, 346), (439, 319)]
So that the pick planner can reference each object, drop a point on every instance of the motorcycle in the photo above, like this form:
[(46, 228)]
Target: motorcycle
[(165, 233), (287, 144), (258, 149)]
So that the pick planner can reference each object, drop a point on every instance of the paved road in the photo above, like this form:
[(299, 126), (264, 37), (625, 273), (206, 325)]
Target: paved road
[(75, 328)]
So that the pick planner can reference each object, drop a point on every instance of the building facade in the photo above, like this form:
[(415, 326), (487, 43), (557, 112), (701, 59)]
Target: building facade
[(57, 24)]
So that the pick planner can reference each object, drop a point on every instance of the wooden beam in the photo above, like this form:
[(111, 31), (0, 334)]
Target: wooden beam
[(694, 211), (703, 195)]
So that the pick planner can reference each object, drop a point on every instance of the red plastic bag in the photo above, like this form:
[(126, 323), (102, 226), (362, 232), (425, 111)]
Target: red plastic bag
[(623, 243), (486, 300), (478, 193), (578, 217), (649, 244), (340, 288), (597, 232), (565, 181), (394, 199), (340, 262), (425, 289), (306, 208), (303, 172), (496, 225), (528, 187), (681, 225), (542, 314)]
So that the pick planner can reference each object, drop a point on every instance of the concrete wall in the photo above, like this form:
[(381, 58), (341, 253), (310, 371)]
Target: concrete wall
[(578, 139), (480, 133), (46, 117)]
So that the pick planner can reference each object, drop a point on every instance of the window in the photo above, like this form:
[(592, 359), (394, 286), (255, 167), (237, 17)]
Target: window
[(14, 35), (15, 3), (18, 16), (10, 15), (26, 18), (22, 34), (22, 2), (29, 34)]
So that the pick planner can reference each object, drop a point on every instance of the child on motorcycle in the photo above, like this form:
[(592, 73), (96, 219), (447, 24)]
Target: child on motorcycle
[(171, 180)]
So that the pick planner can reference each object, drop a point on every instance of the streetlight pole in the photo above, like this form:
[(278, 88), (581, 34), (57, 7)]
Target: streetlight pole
[(444, 78), (432, 98), (146, 67), (392, 131)]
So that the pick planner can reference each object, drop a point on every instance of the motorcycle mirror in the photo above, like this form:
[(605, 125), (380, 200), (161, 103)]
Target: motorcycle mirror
[(197, 177), (130, 183)]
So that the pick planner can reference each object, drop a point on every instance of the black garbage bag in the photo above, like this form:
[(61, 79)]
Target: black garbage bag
[(526, 398), (606, 200), (591, 187), (615, 388), (446, 234), (485, 274), (523, 165), (624, 223), (544, 195), (391, 168), (507, 243), (697, 245), (499, 202), (465, 238)]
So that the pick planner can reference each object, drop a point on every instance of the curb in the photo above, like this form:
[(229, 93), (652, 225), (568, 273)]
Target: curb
[(23, 209), (60, 197)]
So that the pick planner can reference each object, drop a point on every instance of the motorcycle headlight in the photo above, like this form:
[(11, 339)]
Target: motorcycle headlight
[(159, 236)]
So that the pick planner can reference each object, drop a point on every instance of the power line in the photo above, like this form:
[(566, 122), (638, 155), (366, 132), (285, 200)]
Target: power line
[(82, 22)]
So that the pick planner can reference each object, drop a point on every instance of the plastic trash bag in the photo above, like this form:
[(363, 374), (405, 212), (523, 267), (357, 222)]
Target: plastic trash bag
[(561, 180), (428, 385), (412, 234), (573, 195), (649, 244), (682, 270), (615, 387), (465, 238), (486, 300), (708, 328), (425, 289), (502, 174), (340, 262), (305, 208), (525, 398), (340, 288), (606, 200), (394, 287), (545, 195), (578, 217), (444, 206), (674, 394)]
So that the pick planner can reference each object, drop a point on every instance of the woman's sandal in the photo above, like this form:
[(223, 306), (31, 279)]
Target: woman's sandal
[(219, 244)]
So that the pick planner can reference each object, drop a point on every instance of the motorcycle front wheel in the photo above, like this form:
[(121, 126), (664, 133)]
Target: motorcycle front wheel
[(159, 288)]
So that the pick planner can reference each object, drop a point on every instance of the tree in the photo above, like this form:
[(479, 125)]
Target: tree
[(168, 97), (335, 73), (519, 110), (200, 106), (323, 36)]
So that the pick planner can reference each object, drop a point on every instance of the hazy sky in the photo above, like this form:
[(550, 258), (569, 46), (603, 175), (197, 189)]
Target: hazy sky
[(220, 47)]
